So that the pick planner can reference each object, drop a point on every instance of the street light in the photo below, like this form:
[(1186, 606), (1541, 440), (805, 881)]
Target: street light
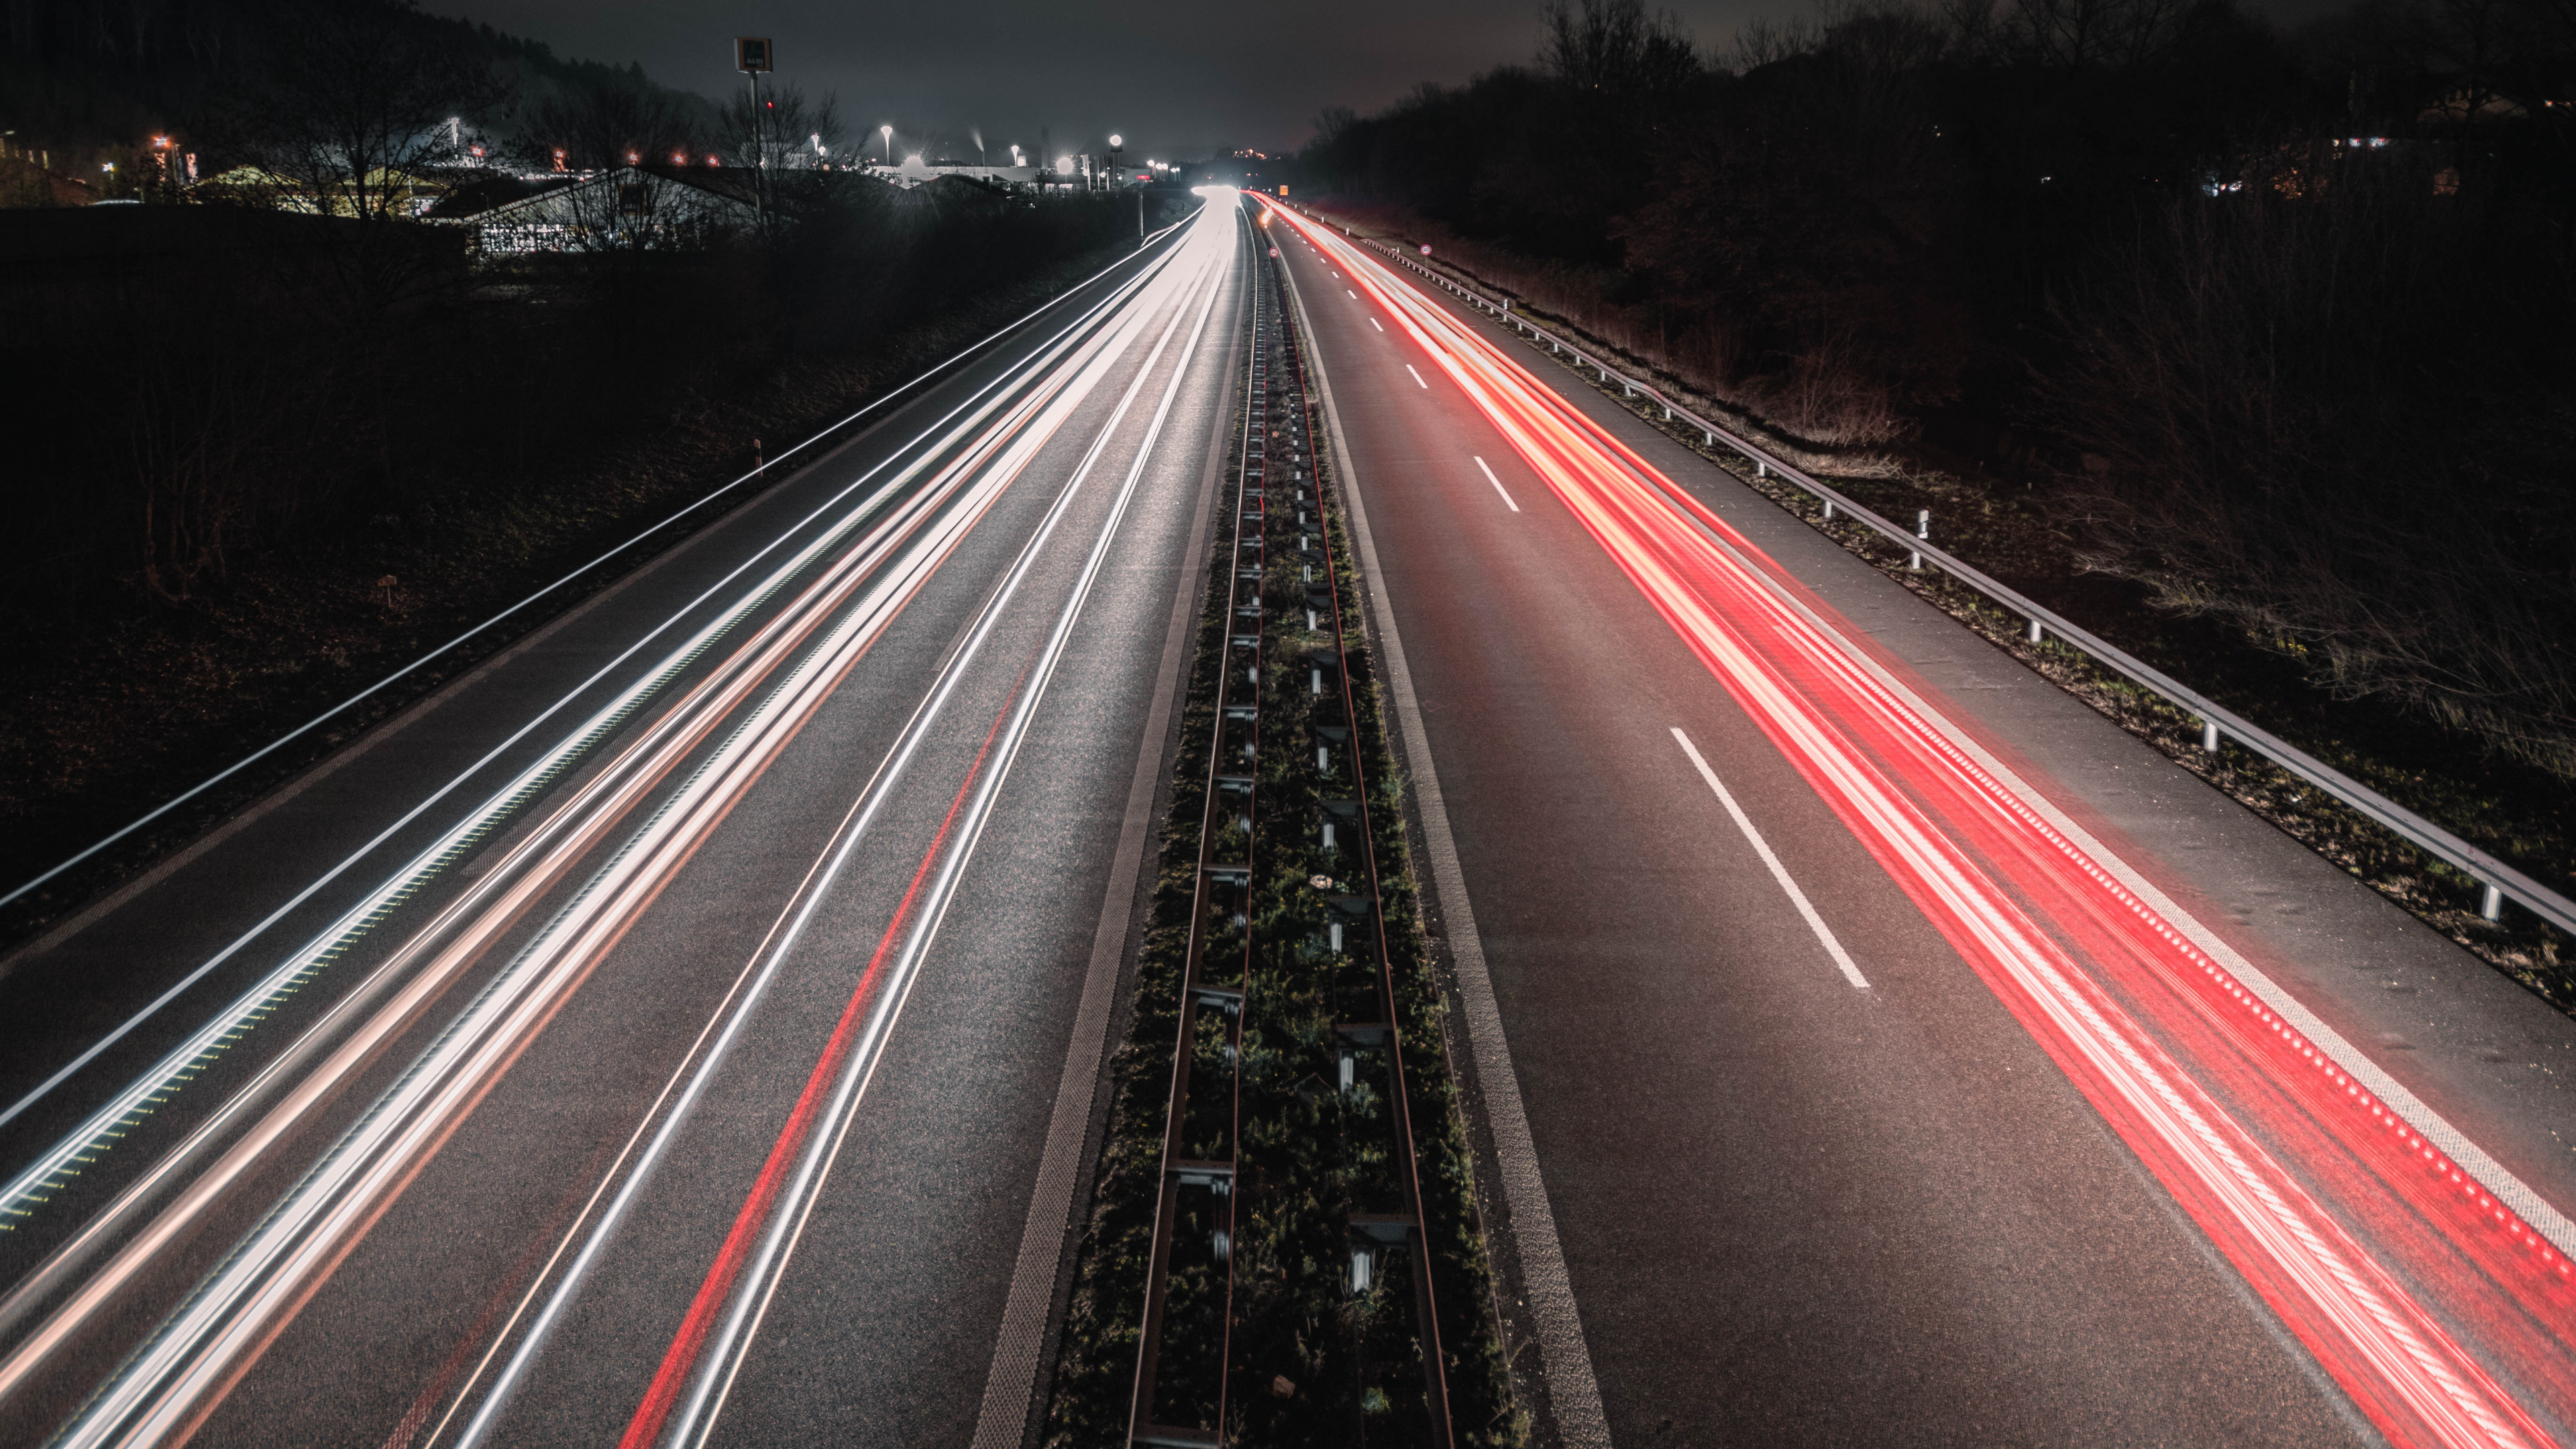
[(888, 133)]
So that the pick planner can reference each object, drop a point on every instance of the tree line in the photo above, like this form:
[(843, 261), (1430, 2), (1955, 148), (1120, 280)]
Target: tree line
[(2278, 314)]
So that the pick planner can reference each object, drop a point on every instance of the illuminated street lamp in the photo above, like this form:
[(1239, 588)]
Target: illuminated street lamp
[(888, 133)]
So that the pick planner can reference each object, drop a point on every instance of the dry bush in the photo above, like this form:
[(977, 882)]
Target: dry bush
[(2338, 422)]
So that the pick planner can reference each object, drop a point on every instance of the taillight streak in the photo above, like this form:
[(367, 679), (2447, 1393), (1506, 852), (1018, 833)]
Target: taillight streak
[(1979, 862)]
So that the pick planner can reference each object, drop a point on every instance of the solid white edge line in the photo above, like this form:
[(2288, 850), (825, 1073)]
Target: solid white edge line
[(2544, 1216), (2500, 1183), (847, 838), (392, 883), (730, 1346), (1574, 1394), (941, 366), (1010, 1385), (1779, 872), (1498, 485), (1417, 378)]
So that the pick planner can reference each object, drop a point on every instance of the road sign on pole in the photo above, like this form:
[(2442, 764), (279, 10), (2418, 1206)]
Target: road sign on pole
[(751, 53)]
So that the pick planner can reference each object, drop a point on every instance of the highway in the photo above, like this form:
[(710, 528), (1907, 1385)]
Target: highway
[(1870, 1044), (686, 1027), (682, 1029)]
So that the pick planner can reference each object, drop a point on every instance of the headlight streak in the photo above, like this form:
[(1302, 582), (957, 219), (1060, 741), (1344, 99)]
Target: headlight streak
[(975, 417), (178, 1376), (10, 1113), (33, 1186), (723, 1027), (2405, 1369), (720, 1361)]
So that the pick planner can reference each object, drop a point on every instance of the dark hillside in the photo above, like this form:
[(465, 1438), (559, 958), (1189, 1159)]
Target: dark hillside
[(2281, 318)]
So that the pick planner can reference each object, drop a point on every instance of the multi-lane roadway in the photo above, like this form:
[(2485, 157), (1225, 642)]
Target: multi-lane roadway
[(688, 1027), (1871, 1044), (661, 1036)]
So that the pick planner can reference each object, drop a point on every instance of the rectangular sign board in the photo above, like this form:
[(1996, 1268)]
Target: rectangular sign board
[(751, 52)]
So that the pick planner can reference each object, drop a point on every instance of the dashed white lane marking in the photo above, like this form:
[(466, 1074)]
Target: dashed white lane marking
[(1779, 872), (1497, 482), (1354, 296), (1417, 378), (1373, 322)]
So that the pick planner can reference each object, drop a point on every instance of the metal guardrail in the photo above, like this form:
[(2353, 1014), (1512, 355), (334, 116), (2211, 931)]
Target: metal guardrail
[(761, 472), (2501, 881)]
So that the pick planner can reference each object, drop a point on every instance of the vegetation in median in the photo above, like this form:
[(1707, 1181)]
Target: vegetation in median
[(1312, 1361)]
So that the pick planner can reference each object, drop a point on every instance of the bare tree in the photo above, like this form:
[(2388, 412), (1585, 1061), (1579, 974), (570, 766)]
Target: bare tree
[(775, 133), (1763, 41), (605, 127), (351, 103), (1615, 47), (2093, 34)]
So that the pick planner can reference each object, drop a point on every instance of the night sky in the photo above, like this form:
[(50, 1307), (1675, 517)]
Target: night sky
[(1178, 79)]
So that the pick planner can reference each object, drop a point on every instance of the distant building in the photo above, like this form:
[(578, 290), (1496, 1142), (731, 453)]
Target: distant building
[(385, 192), (915, 172), (24, 183), (651, 207)]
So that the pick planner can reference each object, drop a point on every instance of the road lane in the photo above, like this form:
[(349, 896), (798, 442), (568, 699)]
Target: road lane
[(1541, 673), (444, 1259)]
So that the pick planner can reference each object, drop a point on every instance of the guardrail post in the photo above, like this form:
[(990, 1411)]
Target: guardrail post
[(2034, 631), (2491, 902), (1914, 561), (1761, 469), (1829, 510), (2209, 735)]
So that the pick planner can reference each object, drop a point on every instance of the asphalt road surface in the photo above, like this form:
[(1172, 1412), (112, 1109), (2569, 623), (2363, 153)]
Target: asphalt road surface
[(1825, 1097), (670, 1033), (684, 1028)]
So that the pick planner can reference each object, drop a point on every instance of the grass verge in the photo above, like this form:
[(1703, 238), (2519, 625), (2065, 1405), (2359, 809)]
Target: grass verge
[(2517, 812), (103, 723)]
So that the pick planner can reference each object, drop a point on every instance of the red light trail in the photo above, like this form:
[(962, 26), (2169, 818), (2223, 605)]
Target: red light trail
[(2398, 1269)]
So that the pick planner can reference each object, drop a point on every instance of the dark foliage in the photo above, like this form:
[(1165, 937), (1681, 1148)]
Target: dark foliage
[(231, 407), (2280, 314)]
